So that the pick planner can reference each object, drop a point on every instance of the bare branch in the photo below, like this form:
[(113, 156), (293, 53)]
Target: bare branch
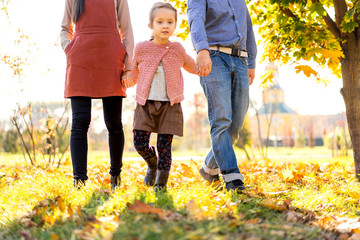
[(15, 122)]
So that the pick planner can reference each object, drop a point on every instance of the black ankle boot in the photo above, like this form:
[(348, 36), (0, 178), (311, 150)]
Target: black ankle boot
[(151, 171), (79, 183), (161, 180), (115, 182)]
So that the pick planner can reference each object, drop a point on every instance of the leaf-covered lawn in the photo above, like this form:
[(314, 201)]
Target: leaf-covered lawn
[(285, 199)]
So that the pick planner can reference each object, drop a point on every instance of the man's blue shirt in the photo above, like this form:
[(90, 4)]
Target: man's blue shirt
[(225, 23)]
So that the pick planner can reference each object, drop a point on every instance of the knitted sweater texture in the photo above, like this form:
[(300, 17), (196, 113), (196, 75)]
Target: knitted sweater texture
[(147, 58)]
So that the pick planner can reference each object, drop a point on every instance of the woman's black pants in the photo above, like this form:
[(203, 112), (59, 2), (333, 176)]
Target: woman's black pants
[(81, 118)]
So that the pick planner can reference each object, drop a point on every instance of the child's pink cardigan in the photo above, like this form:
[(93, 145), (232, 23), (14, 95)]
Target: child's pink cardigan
[(146, 60)]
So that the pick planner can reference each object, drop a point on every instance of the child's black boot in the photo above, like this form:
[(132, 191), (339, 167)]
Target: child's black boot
[(150, 176), (161, 180)]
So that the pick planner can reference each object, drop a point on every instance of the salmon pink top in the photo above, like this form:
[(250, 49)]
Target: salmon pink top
[(147, 58), (96, 54)]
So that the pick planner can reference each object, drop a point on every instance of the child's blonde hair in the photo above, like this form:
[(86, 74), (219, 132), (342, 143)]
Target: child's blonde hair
[(157, 6)]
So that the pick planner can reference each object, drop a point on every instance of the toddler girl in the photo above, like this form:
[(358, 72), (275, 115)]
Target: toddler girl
[(157, 71)]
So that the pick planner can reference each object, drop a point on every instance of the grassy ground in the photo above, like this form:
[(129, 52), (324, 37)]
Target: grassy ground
[(300, 197)]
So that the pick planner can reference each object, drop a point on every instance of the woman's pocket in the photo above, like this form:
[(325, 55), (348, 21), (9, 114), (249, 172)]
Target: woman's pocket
[(67, 48)]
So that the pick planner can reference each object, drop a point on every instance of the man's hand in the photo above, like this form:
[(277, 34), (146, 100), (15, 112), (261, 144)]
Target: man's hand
[(251, 73), (204, 62)]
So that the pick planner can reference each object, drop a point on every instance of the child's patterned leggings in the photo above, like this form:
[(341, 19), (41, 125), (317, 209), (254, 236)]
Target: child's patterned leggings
[(164, 141)]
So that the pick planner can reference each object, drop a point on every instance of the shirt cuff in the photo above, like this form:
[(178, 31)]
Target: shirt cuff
[(251, 64), (201, 45)]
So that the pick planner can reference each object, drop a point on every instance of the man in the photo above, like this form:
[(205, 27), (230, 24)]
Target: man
[(223, 38)]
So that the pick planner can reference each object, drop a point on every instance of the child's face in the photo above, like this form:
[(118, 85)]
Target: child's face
[(163, 25)]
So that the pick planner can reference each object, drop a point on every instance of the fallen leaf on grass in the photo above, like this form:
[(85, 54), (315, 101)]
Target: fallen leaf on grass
[(293, 176), (187, 170), (28, 223), (70, 210), (325, 220), (271, 204), (49, 219), (251, 194), (252, 221), (286, 203), (287, 175), (78, 210), (140, 207), (54, 236), (61, 203), (293, 216)]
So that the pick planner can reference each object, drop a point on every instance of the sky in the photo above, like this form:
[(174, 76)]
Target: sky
[(43, 78)]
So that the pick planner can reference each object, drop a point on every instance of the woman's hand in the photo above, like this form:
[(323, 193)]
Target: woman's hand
[(127, 80)]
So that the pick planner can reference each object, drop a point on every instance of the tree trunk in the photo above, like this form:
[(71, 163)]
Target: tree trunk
[(350, 68)]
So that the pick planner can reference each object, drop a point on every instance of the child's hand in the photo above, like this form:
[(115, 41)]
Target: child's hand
[(127, 80)]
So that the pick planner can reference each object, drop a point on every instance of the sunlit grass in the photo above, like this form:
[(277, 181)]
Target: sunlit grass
[(47, 198)]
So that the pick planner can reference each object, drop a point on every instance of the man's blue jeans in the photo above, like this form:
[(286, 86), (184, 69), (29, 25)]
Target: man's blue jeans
[(227, 91)]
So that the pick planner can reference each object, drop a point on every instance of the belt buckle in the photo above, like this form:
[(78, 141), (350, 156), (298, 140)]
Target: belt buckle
[(235, 52)]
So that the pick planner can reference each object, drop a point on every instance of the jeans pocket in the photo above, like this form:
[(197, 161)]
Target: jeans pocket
[(213, 53), (244, 60)]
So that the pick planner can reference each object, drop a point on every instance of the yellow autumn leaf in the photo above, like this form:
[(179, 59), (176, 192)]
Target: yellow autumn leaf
[(49, 219), (325, 219), (78, 210), (187, 170), (70, 210), (288, 175), (334, 54), (267, 77), (61, 203), (194, 166), (306, 69), (354, 194)]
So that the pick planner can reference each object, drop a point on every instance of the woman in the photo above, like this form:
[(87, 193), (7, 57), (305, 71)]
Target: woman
[(98, 53)]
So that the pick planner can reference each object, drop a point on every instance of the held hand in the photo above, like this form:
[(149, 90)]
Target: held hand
[(204, 62), (251, 73), (127, 80)]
